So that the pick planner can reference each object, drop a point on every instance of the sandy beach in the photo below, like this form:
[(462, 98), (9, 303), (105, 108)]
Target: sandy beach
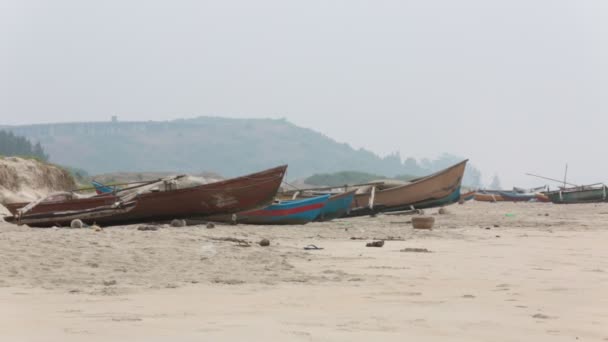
[(493, 272)]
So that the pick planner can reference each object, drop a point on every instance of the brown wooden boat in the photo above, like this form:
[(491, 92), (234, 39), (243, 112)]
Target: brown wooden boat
[(467, 196), (489, 197), (224, 197), (438, 189)]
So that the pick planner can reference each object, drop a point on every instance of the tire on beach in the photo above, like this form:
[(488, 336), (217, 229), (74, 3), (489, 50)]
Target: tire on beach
[(423, 222), (178, 223), (76, 224)]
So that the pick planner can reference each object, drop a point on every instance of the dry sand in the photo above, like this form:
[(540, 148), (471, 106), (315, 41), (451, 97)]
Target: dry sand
[(24, 180), (534, 277)]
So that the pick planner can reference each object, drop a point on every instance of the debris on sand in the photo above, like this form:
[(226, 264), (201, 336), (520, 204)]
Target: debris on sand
[(416, 250), (312, 248), (178, 223), (109, 282), (240, 242), (423, 222), (264, 243), (443, 211), (147, 227), (541, 316), (390, 238), (210, 225), (375, 244)]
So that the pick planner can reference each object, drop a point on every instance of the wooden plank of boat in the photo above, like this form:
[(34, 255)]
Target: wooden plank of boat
[(225, 197), (59, 218), (438, 189)]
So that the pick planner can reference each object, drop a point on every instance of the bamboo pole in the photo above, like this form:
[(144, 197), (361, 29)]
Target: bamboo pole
[(334, 187), (551, 179)]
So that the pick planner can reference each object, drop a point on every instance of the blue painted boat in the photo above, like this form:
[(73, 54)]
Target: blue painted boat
[(337, 206), (103, 189), (286, 212)]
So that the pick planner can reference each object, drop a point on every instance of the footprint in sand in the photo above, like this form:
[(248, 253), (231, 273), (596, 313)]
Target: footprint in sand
[(468, 296)]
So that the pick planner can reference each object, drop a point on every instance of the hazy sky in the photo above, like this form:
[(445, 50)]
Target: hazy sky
[(516, 86)]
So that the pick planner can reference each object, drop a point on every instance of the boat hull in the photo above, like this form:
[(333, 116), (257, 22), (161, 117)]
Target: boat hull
[(224, 197), (467, 196), (435, 190), (578, 196), (337, 206), (488, 197), (516, 197), (288, 212)]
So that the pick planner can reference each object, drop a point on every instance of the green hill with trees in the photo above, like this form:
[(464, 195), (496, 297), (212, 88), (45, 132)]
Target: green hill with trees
[(226, 146)]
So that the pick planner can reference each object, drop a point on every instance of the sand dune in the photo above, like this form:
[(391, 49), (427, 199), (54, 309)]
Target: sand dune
[(494, 272)]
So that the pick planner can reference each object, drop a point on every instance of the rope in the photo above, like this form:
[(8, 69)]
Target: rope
[(291, 185)]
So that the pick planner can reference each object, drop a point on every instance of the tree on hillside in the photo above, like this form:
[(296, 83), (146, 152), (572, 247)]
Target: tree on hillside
[(12, 145)]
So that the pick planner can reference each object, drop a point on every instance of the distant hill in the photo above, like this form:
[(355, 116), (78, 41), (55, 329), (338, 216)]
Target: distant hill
[(229, 147), (341, 178), (348, 177)]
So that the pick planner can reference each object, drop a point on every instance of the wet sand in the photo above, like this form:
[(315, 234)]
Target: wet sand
[(494, 272)]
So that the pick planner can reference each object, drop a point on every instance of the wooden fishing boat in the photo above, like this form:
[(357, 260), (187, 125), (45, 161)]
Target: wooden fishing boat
[(86, 215), (224, 197), (488, 197), (435, 190), (542, 198), (579, 195), (467, 196), (337, 206), (299, 211), (513, 196), (530, 190)]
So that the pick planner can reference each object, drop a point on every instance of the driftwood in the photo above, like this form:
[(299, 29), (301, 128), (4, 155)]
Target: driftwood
[(240, 242), (403, 212), (388, 238)]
